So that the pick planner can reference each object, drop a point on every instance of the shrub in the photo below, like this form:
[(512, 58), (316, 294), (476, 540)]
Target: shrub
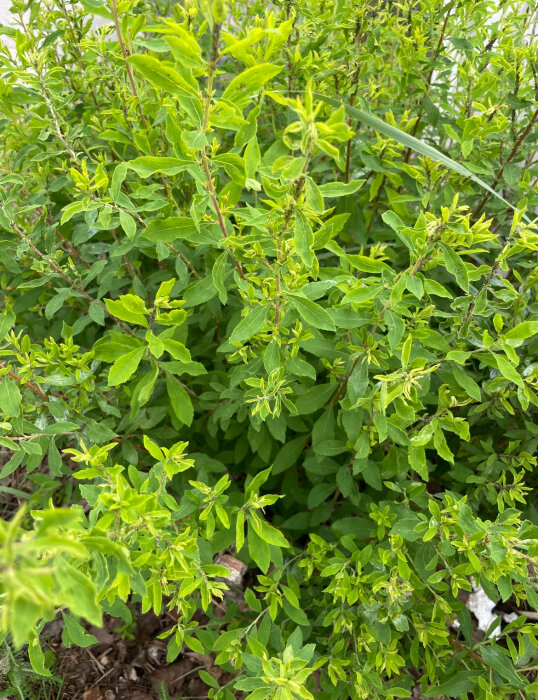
[(269, 287)]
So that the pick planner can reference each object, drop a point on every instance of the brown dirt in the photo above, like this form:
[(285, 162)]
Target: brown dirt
[(129, 667)]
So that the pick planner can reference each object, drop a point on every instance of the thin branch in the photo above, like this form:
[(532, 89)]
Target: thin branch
[(32, 387), (511, 156), (54, 266)]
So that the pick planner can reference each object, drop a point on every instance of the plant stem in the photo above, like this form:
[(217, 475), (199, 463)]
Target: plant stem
[(125, 54), (205, 125), (54, 266), (32, 387), (510, 157)]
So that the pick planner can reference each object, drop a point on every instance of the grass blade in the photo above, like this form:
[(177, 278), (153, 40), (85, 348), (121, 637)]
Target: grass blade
[(414, 144)]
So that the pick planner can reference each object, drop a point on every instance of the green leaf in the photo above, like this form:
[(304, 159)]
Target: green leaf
[(300, 368), (249, 324), (406, 528), (248, 83), (393, 220), (466, 382), (12, 464), (201, 291), (258, 550), (61, 427), (313, 196), (128, 224), (396, 328), (417, 461), (120, 173), (96, 313), (128, 307), (208, 679), (257, 481), (177, 350), (7, 319), (340, 189), (304, 239), (358, 381), (234, 166), (155, 345), (507, 370), (125, 366), (434, 288), (154, 450), (467, 520), (74, 633), (240, 530), (168, 230), (320, 493), (37, 657), (95, 7), (440, 444), (25, 614), (73, 208), (366, 264), (362, 294), (180, 400), (312, 313), (145, 166), (10, 397), (460, 683), (218, 272), (252, 157), (54, 459), (455, 266), (288, 454), (515, 336), (344, 481), (79, 592), (181, 227), (161, 75), (495, 657), (267, 532), (296, 614), (56, 303), (316, 397)]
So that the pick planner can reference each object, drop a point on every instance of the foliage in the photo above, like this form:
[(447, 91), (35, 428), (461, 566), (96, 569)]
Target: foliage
[(237, 316)]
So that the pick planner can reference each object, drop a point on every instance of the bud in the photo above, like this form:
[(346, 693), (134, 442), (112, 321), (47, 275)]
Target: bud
[(219, 9)]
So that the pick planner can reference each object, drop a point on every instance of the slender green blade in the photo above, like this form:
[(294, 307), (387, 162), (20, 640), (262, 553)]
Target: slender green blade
[(414, 144)]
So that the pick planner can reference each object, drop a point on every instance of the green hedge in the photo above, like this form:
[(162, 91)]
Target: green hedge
[(268, 279)]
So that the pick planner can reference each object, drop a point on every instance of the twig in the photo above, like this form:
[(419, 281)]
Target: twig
[(528, 613), (32, 387), (184, 675), (126, 260), (72, 249), (511, 155), (82, 63), (187, 263), (462, 647), (52, 264), (222, 224), (429, 79), (125, 54), (356, 76), (205, 160), (420, 261), (39, 435)]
